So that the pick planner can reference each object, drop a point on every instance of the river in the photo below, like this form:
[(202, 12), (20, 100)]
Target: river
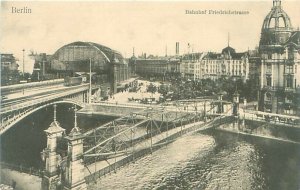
[(212, 161)]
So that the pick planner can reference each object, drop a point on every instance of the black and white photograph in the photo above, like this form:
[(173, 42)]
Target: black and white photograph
[(150, 95)]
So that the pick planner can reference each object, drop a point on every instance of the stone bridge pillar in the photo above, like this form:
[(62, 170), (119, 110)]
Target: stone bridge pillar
[(74, 173), (49, 155)]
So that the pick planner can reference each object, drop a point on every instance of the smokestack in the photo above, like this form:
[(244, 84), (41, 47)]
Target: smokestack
[(177, 48)]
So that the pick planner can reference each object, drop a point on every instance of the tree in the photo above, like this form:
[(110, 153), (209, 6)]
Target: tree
[(151, 88)]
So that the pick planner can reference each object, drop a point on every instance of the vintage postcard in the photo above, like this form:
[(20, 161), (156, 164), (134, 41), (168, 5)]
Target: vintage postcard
[(164, 95)]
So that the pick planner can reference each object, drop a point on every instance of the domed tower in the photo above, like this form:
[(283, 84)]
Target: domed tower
[(279, 64), (276, 29)]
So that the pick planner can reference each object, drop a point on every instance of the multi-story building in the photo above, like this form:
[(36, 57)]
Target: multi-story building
[(151, 67), (156, 67), (279, 50), (9, 69), (190, 66), (225, 64), (196, 66), (254, 62), (215, 65)]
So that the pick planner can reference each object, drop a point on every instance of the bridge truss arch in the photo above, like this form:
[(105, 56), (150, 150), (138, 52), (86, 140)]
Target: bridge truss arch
[(11, 121)]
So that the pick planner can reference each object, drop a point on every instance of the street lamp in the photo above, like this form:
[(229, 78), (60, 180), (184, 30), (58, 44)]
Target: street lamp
[(23, 70), (23, 64), (90, 90)]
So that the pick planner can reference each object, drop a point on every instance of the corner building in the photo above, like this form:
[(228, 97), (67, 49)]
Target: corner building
[(279, 51)]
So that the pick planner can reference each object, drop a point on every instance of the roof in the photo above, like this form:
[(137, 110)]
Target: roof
[(111, 55), (229, 50), (193, 56), (276, 13), (238, 55), (212, 55), (54, 128), (294, 39), (232, 53)]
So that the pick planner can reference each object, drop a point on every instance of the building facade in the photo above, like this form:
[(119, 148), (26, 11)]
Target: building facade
[(190, 66), (157, 67), (279, 50), (213, 66), (226, 64)]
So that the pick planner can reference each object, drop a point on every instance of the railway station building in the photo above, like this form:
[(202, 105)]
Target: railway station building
[(108, 66)]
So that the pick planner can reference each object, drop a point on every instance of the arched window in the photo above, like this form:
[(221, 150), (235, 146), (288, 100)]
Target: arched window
[(272, 23), (282, 22), (268, 96)]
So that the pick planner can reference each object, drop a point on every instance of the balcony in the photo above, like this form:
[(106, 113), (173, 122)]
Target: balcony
[(288, 73), (289, 89), (274, 61), (274, 88), (289, 61)]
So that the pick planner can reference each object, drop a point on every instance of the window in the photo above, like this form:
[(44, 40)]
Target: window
[(272, 23), (269, 80), (269, 68), (281, 22), (291, 53), (268, 97), (288, 99), (269, 56), (289, 82), (289, 69)]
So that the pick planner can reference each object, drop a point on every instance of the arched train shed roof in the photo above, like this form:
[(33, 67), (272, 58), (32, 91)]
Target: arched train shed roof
[(111, 56)]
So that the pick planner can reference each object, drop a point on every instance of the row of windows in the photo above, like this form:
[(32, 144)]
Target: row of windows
[(219, 61), (289, 81), (289, 69)]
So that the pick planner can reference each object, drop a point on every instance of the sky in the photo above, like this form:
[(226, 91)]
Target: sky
[(149, 27)]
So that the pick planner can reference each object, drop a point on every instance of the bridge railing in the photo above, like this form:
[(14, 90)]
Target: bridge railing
[(48, 98), (270, 117), (5, 89), (125, 104), (151, 106), (10, 117), (23, 169)]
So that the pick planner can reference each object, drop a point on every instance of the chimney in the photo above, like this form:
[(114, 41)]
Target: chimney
[(177, 48)]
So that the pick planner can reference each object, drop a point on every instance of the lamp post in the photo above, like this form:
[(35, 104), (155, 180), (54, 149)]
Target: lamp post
[(90, 90), (23, 69), (23, 63)]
